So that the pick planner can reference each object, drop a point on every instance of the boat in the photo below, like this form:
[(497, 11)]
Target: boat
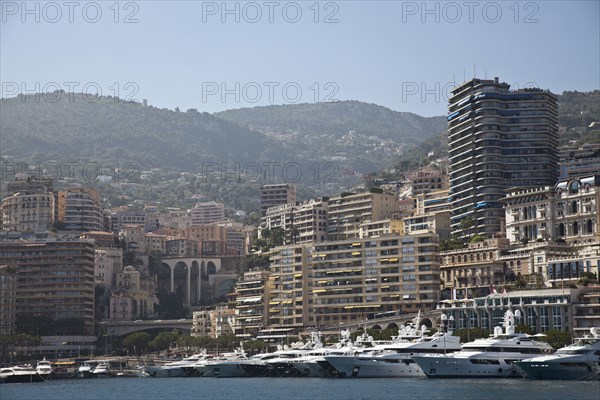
[(85, 369), (176, 369), (394, 359), (314, 364), (102, 370), (227, 365), (44, 368), (492, 357), (577, 361), (20, 374)]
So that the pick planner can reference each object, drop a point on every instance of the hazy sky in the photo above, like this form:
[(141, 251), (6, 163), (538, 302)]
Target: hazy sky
[(214, 56)]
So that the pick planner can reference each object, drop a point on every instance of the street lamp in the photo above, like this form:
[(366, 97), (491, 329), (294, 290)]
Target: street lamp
[(445, 324)]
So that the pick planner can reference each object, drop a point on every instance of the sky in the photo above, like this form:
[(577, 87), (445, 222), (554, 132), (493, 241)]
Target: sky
[(214, 55)]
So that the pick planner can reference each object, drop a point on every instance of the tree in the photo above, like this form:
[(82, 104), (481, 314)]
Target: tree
[(137, 343), (164, 339), (557, 339)]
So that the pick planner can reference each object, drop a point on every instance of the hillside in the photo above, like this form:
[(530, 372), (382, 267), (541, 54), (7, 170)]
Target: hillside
[(109, 129), (340, 141)]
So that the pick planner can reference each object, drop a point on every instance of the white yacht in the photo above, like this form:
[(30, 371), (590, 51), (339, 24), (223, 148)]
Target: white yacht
[(44, 368), (20, 374), (179, 368), (102, 370), (226, 365), (493, 357), (395, 359), (578, 361), (313, 363)]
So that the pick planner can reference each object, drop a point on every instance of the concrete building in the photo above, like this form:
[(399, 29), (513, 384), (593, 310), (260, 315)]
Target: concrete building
[(431, 202), (348, 210), (8, 300), (568, 211), (578, 162), (79, 210), (275, 195), (380, 228), (55, 290), (108, 261), (149, 221), (438, 222), (355, 279), (289, 293), (498, 139), (428, 179), (28, 211), (207, 213), (251, 309), (302, 222)]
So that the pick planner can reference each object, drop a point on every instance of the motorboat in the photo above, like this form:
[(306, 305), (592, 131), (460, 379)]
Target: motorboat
[(179, 368), (20, 374), (394, 359), (577, 361), (492, 357), (314, 364), (226, 365), (44, 368), (102, 370)]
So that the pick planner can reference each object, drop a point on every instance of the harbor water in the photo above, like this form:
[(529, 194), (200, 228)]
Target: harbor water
[(300, 388)]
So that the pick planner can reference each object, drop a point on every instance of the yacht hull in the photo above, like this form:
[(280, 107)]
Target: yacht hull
[(355, 367), (556, 371)]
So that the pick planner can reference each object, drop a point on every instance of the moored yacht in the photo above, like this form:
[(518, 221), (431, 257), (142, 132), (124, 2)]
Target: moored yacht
[(226, 365), (395, 359), (493, 357), (577, 361), (20, 374), (44, 368), (175, 369)]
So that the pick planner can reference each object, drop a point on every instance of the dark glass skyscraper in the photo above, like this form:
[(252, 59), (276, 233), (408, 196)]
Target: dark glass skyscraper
[(497, 139)]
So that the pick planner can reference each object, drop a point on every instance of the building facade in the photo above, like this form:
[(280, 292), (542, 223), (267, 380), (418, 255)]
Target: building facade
[(497, 139), (207, 213), (55, 286), (276, 195)]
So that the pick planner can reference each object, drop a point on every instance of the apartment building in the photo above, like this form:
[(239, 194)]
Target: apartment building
[(275, 195), (579, 161), (498, 139), (302, 222), (251, 309), (348, 210), (354, 279), (207, 213), (28, 211), (79, 210), (55, 285)]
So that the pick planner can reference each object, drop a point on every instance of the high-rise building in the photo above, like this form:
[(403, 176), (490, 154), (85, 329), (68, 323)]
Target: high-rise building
[(577, 162), (497, 139), (79, 209), (207, 213), (55, 286), (275, 195), (26, 211)]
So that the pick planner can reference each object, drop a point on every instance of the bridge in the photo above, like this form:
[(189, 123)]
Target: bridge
[(124, 328), (431, 319)]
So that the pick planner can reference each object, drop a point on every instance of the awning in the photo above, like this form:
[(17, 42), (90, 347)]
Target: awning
[(255, 299), (273, 302), (356, 253)]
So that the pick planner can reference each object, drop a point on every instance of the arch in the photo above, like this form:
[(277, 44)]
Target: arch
[(211, 268), (392, 325), (590, 226), (427, 322), (575, 228), (573, 187), (376, 327)]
